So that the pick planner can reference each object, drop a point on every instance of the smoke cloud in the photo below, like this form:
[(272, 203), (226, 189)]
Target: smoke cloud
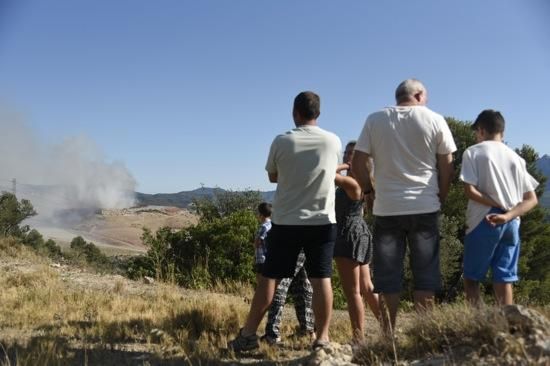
[(70, 175)]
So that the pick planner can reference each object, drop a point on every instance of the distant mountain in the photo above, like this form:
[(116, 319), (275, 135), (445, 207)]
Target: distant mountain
[(185, 198)]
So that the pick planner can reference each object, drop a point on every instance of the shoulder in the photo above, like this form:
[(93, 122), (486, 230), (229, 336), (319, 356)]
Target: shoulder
[(380, 115), (330, 136), (432, 116)]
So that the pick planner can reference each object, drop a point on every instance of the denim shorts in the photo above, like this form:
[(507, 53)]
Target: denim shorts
[(391, 236), (284, 243), (495, 247)]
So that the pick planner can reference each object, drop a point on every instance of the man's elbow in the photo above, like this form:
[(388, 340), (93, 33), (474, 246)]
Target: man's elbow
[(272, 177)]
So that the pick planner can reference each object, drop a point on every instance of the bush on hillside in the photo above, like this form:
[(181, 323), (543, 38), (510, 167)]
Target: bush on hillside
[(217, 249), (13, 213), (46, 247), (90, 254)]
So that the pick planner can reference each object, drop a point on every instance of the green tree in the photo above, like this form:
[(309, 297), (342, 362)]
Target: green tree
[(13, 213), (217, 249), (534, 271), (223, 203)]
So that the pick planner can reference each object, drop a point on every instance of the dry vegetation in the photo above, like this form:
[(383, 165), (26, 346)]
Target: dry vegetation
[(53, 314)]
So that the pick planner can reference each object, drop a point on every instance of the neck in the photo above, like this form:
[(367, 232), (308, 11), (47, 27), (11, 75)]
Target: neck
[(311, 122), (497, 137), (409, 103)]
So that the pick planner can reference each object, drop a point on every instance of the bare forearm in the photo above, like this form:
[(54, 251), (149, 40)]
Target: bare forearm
[(530, 200), (349, 185), (475, 195), (361, 169), (445, 170)]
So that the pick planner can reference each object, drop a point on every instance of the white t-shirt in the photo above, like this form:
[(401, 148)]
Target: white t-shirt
[(305, 161), (498, 172), (404, 143)]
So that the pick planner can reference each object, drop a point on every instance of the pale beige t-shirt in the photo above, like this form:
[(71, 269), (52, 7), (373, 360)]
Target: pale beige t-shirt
[(305, 161), (404, 143)]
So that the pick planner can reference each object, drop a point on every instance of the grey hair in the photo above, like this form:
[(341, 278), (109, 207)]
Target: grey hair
[(407, 89)]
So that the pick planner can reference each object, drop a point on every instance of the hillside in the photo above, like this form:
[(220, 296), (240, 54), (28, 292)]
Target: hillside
[(185, 198), (58, 313)]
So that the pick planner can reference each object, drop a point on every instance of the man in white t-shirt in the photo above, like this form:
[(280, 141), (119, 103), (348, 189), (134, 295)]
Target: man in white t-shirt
[(303, 163), (411, 147), (500, 190)]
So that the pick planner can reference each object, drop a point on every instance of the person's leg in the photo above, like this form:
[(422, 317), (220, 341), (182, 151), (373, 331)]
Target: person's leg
[(471, 289), (424, 252), (302, 293), (349, 271), (275, 313), (389, 303), (503, 293), (423, 300), (279, 263), (367, 291), (260, 303), (319, 248), (322, 306), (388, 256), (505, 263)]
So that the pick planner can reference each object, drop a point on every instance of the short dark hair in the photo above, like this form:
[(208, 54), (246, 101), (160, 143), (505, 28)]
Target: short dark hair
[(308, 105), (490, 120), (264, 209)]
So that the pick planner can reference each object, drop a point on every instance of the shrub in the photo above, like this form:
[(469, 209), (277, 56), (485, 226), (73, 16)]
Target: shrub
[(12, 214), (49, 247)]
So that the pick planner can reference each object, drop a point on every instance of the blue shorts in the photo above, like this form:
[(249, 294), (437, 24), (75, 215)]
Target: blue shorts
[(495, 247)]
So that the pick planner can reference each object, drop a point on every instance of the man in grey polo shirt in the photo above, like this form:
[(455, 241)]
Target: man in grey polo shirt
[(411, 147), (303, 163)]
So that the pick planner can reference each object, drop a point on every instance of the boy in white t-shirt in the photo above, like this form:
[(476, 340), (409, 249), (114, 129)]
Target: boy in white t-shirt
[(500, 190)]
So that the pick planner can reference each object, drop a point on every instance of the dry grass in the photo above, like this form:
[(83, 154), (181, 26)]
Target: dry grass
[(67, 316), (50, 315), (455, 334)]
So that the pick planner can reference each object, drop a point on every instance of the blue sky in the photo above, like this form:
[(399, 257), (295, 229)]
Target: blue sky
[(191, 92)]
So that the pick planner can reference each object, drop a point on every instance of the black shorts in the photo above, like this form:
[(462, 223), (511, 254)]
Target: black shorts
[(258, 267), (284, 243)]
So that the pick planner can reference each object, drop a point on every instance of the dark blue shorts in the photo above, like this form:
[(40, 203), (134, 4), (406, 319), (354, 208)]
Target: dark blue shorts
[(495, 247), (284, 243), (390, 239)]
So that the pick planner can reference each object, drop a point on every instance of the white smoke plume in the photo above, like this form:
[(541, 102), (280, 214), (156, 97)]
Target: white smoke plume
[(71, 174)]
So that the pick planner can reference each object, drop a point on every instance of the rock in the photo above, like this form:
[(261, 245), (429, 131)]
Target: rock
[(148, 280), (332, 355), (55, 265), (531, 328)]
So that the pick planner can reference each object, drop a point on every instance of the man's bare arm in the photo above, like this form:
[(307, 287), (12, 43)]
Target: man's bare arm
[(272, 177), (362, 169), (530, 200), (446, 171)]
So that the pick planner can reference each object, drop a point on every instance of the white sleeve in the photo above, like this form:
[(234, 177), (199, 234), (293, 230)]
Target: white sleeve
[(363, 142), (529, 184), (445, 141), (468, 171), (271, 165)]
